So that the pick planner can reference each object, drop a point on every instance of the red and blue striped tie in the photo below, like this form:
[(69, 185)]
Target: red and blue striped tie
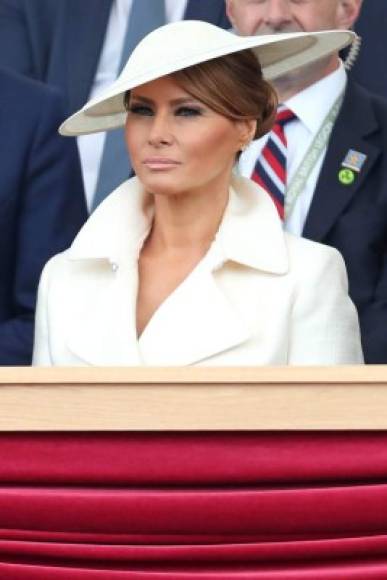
[(270, 169)]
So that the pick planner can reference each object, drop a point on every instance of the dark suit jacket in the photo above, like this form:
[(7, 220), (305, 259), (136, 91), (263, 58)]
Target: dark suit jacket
[(353, 218), (41, 203), (59, 41), (370, 67)]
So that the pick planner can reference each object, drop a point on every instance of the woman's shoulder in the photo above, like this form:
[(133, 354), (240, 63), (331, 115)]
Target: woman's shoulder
[(302, 248), (55, 265), (307, 256)]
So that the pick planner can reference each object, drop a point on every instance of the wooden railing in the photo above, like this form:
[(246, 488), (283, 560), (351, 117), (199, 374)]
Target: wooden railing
[(197, 398)]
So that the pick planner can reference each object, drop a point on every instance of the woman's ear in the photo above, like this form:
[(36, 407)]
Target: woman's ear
[(247, 130)]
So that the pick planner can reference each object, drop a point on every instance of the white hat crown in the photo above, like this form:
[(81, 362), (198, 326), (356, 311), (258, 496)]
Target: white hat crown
[(186, 35)]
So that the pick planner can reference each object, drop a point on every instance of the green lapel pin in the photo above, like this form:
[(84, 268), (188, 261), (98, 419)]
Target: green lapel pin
[(346, 176), (351, 166)]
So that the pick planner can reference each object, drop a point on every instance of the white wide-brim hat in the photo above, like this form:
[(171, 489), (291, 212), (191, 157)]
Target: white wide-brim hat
[(182, 44)]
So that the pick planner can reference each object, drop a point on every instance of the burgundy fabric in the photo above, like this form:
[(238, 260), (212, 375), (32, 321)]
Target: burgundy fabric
[(268, 506)]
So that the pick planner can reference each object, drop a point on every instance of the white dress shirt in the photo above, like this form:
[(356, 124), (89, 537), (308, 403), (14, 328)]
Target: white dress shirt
[(311, 107), (91, 146)]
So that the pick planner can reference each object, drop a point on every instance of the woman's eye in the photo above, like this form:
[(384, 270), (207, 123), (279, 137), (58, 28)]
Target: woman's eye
[(188, 112), (140, 110)]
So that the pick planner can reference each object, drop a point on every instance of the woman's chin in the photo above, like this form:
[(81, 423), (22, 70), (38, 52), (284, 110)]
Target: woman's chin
[(162, 185)]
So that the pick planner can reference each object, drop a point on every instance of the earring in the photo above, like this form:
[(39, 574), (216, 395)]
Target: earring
[(244, 147)]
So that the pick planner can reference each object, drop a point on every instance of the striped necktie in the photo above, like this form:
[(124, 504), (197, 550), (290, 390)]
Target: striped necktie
[(270, 168), (145, 16)]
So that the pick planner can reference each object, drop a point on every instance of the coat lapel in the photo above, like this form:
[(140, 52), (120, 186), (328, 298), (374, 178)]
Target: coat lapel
[(86, 23), (198, 320), (104, 331), (194, 323), (355, 123)]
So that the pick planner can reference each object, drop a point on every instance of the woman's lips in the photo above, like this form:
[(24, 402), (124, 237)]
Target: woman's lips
[(160, 163)]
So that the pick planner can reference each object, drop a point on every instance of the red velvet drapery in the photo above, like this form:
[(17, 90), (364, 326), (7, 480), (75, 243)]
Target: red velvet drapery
[(264, 506)]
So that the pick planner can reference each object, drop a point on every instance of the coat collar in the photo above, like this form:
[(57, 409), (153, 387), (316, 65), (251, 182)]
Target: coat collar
[(250, 233), (197, 320)]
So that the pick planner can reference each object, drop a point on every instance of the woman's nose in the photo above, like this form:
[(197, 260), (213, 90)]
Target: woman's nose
[(160, 130)]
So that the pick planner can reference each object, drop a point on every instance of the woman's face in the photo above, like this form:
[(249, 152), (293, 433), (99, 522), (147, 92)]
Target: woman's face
[(176, 143)]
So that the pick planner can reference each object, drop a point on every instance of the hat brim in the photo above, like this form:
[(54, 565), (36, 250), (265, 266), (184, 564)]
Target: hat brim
[(278, 55)]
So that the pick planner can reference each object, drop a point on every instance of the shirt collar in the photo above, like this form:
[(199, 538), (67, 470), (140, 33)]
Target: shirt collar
[(250, 232), (313, 104)]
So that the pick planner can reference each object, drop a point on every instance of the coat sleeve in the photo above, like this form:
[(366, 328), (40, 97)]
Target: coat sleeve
[(41, 353), (51, 210), (325, 327)]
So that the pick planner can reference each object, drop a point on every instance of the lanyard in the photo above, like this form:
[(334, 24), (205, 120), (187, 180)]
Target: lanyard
[(311, 157)]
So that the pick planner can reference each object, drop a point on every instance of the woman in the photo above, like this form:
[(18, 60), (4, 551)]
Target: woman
[(187, 264)]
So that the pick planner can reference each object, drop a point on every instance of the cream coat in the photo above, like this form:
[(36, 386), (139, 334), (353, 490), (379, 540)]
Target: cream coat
[(259, 297)]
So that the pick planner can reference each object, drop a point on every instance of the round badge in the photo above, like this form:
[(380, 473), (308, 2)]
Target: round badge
[(346, 176)]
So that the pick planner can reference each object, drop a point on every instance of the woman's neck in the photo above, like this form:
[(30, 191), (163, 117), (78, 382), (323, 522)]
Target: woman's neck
[(187, 221)]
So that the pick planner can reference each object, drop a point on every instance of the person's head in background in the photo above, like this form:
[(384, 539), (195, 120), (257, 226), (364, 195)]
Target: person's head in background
[(255, 17)]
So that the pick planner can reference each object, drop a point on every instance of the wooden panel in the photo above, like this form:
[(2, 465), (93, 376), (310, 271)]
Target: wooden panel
[(40, 399)]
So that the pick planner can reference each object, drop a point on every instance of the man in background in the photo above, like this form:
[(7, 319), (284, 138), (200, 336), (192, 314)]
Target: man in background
[(325, 162), (79, 46), (42, 203)]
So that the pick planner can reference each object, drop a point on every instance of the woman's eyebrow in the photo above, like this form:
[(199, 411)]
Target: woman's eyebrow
[(179, 101)]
